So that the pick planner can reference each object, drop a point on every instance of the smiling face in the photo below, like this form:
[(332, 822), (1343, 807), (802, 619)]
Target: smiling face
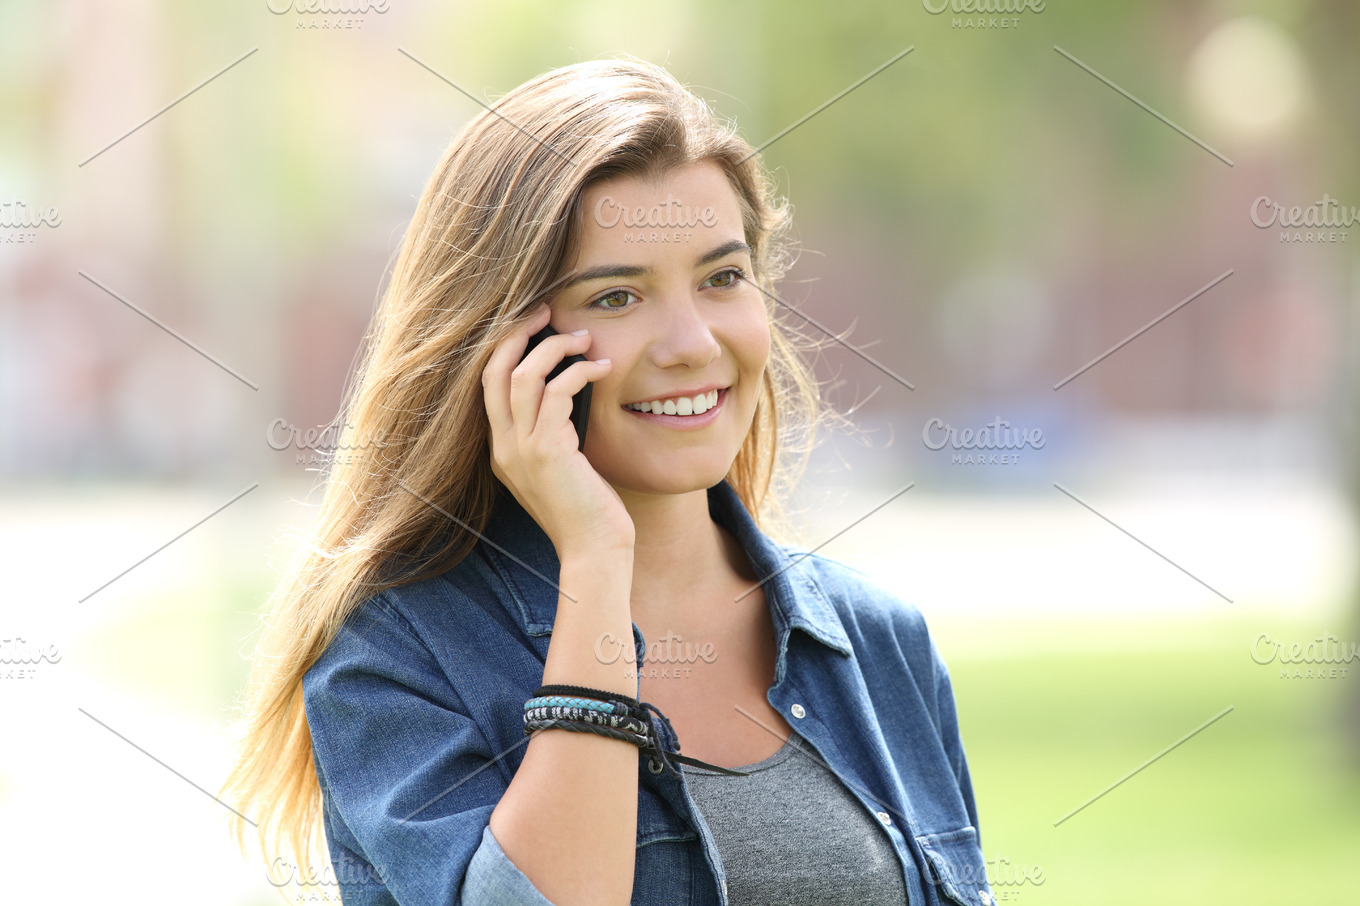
[(668, 301)]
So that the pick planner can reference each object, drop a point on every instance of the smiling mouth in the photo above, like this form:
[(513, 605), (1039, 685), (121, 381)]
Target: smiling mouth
[(679, 405)]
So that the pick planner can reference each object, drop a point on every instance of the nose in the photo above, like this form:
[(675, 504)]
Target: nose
[(685, 334)]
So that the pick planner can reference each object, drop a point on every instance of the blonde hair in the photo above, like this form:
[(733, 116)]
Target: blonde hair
[(491, 233)]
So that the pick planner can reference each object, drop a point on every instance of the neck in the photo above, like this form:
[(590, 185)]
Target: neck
[(680, 556)]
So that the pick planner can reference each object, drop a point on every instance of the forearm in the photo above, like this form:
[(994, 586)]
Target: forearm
[(568, 820)]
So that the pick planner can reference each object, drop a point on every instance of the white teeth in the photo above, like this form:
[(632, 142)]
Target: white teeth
[(681, 405)]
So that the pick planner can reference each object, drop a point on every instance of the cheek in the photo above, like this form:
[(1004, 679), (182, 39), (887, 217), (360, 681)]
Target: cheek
[(752, 342), (618, 351)]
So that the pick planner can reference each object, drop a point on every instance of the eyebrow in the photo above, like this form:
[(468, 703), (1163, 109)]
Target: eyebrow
[(611, 271)]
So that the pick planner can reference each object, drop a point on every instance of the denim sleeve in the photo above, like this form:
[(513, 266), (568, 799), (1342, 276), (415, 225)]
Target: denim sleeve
[(493, 878), (410, 780), (950, 736)]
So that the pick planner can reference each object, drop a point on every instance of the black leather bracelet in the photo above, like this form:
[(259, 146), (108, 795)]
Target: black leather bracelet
[(643, 711)]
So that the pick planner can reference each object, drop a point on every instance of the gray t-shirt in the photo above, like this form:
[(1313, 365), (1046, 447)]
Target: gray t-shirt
[(792, 834)]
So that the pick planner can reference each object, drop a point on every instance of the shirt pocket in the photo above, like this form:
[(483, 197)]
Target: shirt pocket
[(669, 855), (956, 867), (657, 822)]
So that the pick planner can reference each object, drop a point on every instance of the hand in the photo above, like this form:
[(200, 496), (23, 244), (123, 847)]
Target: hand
[(534, 446)]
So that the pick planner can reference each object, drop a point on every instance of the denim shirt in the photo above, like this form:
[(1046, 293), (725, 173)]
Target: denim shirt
[(416, 718)]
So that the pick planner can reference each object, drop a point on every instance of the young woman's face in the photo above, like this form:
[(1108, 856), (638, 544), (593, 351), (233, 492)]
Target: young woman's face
[(667, 300)]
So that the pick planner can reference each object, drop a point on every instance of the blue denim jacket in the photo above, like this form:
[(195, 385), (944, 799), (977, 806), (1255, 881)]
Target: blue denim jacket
[(416, 710)]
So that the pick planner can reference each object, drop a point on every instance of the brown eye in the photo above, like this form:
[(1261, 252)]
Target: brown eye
[(613, 295), (727, 278)]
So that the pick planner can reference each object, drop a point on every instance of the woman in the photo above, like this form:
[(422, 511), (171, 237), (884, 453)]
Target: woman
[(481, 574)]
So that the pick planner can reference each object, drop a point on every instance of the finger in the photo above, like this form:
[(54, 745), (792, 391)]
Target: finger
[(496, 373), (528, 377), (555, 411)]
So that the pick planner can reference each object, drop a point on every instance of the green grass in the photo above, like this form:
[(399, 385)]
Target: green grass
[(1259, 807)]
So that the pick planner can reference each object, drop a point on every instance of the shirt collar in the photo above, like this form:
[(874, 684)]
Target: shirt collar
[(524, 557)]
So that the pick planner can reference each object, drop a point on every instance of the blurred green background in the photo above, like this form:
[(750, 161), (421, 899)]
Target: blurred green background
[(983, 218)]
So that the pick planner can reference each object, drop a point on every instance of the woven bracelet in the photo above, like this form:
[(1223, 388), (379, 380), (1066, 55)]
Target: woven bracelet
[(639, 740), (599, 695), (542, 701), (617, 721)]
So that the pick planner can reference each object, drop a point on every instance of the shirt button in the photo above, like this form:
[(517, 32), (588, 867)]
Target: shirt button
[(885, 818), (798, 712), (985, 897)]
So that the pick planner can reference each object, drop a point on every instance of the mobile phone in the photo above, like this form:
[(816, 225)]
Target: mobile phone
[(580, 403)]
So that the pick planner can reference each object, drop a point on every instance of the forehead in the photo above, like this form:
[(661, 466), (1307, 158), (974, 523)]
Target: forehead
[(682, 212)]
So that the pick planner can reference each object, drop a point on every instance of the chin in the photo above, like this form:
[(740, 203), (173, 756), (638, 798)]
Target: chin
[(669, 478)]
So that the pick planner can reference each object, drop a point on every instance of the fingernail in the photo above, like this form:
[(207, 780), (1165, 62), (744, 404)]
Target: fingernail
[(601, 361), (580, 333)]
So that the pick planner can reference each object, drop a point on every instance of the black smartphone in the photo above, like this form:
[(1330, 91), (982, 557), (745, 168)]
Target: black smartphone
[(580, 403)]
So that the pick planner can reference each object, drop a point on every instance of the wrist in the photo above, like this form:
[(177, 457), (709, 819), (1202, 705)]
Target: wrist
[(593, 555)]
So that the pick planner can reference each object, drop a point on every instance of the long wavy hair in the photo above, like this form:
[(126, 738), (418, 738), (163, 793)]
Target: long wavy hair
[(491, 235)]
